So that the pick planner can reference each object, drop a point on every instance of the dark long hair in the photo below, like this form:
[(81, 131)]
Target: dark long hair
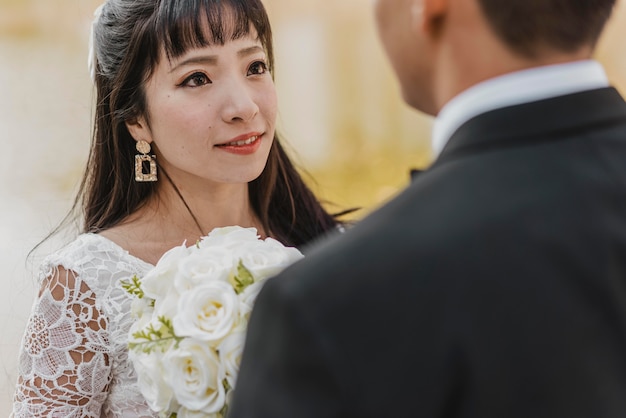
[(128, 39)]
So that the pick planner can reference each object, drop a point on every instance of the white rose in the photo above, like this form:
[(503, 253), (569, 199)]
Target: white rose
[(158, 281), (229, 397), (151, 382), (141, 308), (228, 237), (207, 312), (167, 306), (230, 350), (267, 258), (247, 298), (140, 324), (187, 413), (195, 374), (202, 265)]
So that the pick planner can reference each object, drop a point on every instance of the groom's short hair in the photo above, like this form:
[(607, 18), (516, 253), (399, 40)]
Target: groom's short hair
[(528, 26)]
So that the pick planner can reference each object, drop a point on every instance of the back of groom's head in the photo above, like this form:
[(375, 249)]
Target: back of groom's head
[(527, 26), (439, 48)]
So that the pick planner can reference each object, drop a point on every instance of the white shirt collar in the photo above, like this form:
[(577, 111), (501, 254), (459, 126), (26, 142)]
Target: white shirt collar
[(513, 89)]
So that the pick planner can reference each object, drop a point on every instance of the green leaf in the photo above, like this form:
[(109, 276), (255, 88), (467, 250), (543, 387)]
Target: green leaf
[(227, 388), (226, 385), (243, 278), (133, 287), (155, 337)]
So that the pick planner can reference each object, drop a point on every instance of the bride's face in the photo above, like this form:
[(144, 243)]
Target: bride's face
[(211, 112)]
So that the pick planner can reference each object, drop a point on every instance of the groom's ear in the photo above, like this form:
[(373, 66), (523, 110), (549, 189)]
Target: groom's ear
[(429, 14)]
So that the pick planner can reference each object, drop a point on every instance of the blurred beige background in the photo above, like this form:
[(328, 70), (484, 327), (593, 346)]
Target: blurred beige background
[(340, 110)]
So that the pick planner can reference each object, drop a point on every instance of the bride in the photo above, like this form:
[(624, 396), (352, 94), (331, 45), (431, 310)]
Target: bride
[(184, 141)]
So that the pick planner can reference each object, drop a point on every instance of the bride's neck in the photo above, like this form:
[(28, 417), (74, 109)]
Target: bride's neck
[(200, 210), (165, 222)]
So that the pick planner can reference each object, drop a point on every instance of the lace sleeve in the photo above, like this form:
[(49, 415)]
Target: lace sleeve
[(64, 366)]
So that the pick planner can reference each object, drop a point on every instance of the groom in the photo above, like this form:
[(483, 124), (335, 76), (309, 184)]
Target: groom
[(495, 285)]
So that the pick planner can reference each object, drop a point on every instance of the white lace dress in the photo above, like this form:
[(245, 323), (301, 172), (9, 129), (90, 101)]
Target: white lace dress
[(73, 358)]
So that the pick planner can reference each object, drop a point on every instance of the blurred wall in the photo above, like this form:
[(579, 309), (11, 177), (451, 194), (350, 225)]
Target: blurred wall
[(340, 112)]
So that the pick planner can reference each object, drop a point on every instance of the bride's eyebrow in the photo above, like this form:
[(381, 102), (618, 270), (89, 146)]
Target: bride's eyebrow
[(249, 51), (202, 59), (212, 59)]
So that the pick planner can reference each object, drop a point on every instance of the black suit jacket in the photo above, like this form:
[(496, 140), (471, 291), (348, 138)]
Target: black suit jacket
[(494, 286)]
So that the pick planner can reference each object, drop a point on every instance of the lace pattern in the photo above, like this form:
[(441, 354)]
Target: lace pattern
[(73, 359)]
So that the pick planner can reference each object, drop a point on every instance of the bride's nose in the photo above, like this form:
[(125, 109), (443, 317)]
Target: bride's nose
[(239, 102)]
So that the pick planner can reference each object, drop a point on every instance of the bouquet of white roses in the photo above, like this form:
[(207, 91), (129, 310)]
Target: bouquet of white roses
[(192, 310)]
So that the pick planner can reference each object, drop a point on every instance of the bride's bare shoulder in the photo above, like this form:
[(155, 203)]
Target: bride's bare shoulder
[(135, 238)]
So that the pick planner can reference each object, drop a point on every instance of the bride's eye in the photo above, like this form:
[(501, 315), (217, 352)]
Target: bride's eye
[(196, 80), (257, 68)]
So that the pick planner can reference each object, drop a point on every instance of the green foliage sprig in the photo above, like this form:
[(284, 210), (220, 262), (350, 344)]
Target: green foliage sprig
[(155, 337), (133, 287)]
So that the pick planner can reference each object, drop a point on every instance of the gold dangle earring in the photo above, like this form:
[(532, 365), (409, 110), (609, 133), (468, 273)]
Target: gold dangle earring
[(145, 164)]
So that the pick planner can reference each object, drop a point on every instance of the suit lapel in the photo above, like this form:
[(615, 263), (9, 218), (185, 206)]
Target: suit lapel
[(541, 121)]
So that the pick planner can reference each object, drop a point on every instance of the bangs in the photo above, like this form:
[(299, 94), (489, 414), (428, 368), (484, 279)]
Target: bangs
[(182, 24)]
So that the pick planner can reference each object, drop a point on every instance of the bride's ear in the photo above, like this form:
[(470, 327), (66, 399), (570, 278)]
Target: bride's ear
[(138, 129)]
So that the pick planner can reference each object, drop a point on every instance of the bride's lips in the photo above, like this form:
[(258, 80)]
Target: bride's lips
[(243, 144)]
